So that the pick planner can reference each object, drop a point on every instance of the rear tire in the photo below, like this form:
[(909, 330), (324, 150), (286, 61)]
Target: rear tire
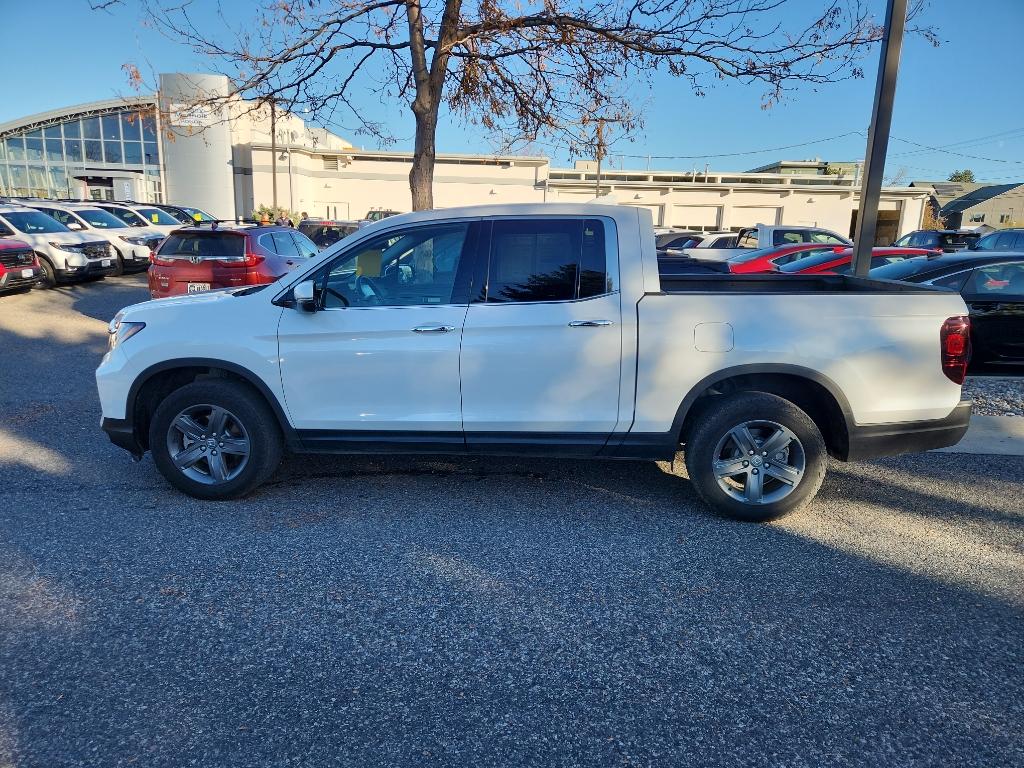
[(197, 459), (755, 457)]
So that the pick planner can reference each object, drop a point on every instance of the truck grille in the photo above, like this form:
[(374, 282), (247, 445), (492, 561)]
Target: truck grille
[(16, 258), (96, 250)]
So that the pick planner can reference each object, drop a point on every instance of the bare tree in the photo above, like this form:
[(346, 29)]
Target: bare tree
[(526, 70)]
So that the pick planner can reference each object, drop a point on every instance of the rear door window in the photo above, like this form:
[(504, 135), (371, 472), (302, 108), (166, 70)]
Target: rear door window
[(284, 245), (307, 248), (546, 260)]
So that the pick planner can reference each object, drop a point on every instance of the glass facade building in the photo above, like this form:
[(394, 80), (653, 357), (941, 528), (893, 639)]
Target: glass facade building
[(83, 154)]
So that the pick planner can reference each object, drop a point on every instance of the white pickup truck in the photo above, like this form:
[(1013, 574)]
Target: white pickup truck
[(537, 330), (761, 236)]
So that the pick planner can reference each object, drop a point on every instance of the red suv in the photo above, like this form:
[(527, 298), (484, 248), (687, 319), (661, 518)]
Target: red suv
[(19, 266), (206, 257)]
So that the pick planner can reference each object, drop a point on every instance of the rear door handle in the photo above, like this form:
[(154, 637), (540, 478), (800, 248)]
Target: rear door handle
[(433, 329), (589, 323)]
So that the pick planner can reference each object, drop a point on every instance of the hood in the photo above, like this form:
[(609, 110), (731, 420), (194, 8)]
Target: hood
[(71, 238), (206, 298)]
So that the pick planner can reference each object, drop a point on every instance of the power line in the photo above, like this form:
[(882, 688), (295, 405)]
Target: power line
[(958, 154), (745, 152)]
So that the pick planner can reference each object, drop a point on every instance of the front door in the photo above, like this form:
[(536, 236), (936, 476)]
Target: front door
[(542, 345), (378, 363)]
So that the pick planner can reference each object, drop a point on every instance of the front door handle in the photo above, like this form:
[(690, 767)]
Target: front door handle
[(433, 329), (589, 323)]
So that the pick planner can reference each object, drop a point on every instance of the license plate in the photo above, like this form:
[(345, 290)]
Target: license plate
[(27, 273), (105, 262), (198, 287)]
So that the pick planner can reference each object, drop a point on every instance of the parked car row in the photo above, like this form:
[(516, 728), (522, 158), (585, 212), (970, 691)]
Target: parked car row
[(47, 242)]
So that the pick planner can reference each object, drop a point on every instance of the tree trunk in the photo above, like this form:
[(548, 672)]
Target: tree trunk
[(429, 83), (421, 177)]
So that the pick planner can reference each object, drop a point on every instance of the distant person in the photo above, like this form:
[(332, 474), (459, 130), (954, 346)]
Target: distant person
[(304, 215)]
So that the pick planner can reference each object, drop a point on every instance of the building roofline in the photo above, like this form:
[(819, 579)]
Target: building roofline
[(58, 115)]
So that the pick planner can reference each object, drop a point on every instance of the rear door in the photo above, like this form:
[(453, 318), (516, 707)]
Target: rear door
[(995, 296), (542, 346)]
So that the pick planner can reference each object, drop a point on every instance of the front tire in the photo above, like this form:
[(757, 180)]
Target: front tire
[(755, 457), (215, 439), (48, 278)]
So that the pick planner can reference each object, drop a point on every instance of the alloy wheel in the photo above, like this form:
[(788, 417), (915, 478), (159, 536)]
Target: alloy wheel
[(208, 444), (759, 462)]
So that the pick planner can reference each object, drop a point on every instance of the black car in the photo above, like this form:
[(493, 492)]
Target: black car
[(326, 232), (948, 240), (992, 284), (675, 240), (1003, 240)]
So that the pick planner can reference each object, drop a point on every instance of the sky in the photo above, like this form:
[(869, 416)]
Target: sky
[(962, 98)]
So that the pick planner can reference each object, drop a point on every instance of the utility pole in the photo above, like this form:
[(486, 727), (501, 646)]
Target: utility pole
[(273, 152), (878, 136)]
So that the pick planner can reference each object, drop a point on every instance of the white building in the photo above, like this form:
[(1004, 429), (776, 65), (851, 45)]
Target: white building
[(161, 148)]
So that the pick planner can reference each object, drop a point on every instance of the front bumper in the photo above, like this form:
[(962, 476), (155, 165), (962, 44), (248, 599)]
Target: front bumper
[(12, 280), (122, 434), (92, 268), (877, 440)]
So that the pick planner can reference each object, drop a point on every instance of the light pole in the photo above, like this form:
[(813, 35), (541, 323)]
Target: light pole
[(878, 136), (273, 153)]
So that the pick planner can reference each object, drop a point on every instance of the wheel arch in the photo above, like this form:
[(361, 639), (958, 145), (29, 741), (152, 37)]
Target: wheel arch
[(813, 392), (159, 380)]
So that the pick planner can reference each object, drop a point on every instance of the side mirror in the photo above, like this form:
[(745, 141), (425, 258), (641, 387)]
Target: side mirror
[(305, 296), (74, 225)]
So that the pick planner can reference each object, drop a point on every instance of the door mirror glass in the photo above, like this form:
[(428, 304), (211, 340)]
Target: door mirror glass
[(73, 225), (305, 298)]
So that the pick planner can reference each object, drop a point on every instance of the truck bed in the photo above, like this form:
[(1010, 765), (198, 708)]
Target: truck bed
[(782, 284)]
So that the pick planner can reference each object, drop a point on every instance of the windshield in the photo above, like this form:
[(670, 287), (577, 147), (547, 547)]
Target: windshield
[(746, 256), (816, 259), (900, 270), (100, 219), (34, 222), (156, 216), (131, 218), (198, 215)]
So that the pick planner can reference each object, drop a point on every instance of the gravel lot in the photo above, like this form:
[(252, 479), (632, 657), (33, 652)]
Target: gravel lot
[(996, 395), (431, 611)]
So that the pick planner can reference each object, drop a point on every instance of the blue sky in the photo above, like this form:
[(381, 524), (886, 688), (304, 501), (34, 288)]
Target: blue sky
[(964, 92)]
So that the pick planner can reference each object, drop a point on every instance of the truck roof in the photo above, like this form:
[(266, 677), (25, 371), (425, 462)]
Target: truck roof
[(512, 209)]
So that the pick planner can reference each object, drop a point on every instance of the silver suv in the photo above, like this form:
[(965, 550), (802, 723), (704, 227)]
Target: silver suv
[(65, 256), (131, 246)]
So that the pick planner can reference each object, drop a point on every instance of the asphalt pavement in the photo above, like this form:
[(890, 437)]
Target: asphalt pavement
[(424, 611)]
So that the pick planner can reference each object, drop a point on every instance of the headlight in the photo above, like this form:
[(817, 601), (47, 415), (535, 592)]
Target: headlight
[(68, 247), (120, 331), (134, 240)]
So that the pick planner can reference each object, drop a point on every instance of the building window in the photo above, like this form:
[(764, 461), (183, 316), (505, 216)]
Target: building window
[(1004, 218), (977, 218)]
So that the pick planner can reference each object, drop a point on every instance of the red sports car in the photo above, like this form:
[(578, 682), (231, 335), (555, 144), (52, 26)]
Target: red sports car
[(784, 258), (837, 261)]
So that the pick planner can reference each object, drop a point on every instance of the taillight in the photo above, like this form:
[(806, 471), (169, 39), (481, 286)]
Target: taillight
[(955, 341), (154, 258)]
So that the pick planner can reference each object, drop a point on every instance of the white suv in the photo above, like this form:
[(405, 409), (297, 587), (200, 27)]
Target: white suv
[(64, 255), (131, 245), (140, 215)]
